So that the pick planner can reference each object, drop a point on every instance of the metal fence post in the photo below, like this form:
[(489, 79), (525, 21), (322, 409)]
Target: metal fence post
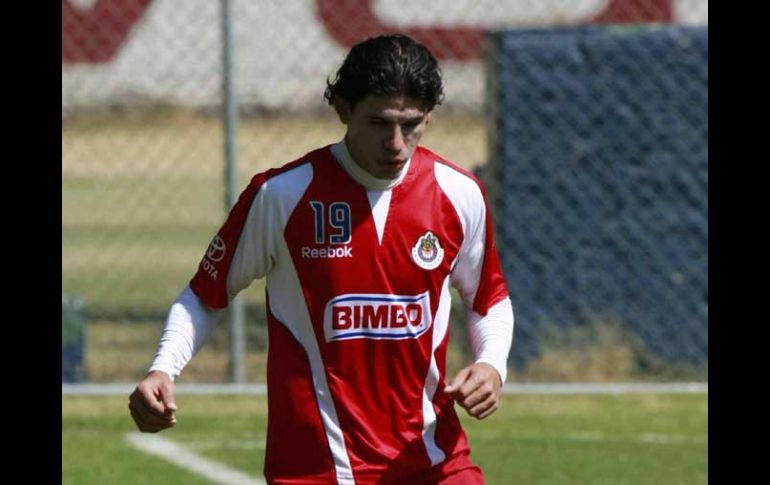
[(230, 116)]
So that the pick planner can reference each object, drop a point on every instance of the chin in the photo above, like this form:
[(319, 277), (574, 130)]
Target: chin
[(390, 173)]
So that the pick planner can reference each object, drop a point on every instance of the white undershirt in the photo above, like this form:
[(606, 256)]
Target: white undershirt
[(188, 326), (342, 154)]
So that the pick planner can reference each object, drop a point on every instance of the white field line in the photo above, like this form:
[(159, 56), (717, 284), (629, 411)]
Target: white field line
[(182, 457), (644, 438), (508, 389), (607, 388), (601, 437), (255, 444), (665, 439)]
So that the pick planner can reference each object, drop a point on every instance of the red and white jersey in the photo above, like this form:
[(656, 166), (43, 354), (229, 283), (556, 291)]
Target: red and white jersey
[(358, 312)]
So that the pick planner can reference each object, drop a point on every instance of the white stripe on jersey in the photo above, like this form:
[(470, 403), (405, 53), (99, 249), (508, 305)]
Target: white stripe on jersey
[(468, 201), (440, 325), (379, 200), (283, 286), (263, 229), (465, 195)]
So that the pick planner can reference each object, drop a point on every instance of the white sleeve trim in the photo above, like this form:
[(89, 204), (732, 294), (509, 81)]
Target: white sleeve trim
[(491, 336), (467, 199), (256, 253), (188, 326)]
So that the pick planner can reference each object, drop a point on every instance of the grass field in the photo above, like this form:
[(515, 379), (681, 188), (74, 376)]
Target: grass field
[(541, 440)]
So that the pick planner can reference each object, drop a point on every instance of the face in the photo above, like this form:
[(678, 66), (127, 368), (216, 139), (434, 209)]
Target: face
[(383, 131)]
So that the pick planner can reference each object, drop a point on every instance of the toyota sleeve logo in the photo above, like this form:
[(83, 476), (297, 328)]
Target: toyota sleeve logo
[(216, 250)]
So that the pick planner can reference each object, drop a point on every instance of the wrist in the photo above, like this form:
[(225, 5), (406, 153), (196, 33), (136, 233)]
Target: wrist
[(162, 373), (501, 370)]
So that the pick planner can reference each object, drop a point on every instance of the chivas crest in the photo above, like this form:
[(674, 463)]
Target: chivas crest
[(427, 253)]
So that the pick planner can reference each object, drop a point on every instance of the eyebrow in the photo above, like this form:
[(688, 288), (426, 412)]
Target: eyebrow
[(416, 119)]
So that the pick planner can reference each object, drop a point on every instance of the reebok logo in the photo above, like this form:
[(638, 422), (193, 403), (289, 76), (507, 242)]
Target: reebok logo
[(327, 252)]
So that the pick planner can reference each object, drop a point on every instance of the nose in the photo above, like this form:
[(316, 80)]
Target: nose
[(395, 140)]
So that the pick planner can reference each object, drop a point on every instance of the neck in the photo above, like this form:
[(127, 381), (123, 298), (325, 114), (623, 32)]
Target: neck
[(342, 154)]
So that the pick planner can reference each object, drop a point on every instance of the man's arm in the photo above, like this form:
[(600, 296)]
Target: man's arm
[(478, 387), (478, 277), (241, 251), (187, 328)]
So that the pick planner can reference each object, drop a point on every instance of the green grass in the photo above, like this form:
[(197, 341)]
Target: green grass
[(132, 243), (543, 440)]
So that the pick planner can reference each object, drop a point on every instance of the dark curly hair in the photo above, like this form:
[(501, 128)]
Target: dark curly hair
[(388, 65)]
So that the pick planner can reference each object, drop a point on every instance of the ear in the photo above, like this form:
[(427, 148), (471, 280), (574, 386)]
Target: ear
[(342, 107), (427, 117)]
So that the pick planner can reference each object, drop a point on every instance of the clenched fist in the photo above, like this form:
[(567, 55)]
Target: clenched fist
[(477, 388), (152, 403)]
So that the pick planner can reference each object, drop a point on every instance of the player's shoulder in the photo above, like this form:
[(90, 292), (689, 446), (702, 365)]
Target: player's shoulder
[(290, 177), (450, 175)]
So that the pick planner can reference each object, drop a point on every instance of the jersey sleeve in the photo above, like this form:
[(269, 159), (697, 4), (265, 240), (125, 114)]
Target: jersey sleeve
[(477, 274), (242, 250), (479, 279)]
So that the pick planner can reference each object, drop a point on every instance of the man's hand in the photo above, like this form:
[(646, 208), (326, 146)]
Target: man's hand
[(152, 403), (477, 388)]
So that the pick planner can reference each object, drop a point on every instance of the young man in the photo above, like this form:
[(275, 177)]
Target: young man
[(359, 242)]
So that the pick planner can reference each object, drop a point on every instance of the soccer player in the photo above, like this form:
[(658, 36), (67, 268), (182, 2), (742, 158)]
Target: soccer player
[(359, 242)]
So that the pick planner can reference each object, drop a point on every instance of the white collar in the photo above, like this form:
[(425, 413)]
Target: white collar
[(342, 154)]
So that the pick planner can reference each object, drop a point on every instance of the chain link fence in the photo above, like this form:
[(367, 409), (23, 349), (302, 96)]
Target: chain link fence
[(143, 165), (600, 175)]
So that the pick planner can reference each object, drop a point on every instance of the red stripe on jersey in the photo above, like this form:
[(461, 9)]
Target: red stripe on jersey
[(296, 450), (210, 282)]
